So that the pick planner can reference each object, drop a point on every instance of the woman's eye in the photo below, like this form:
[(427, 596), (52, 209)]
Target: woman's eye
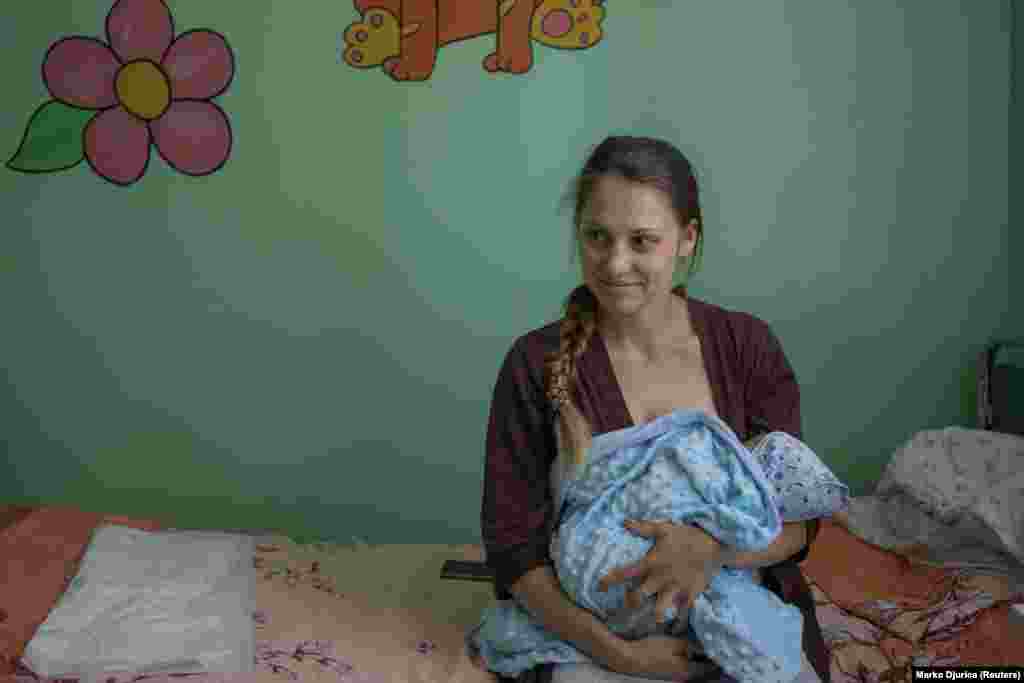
[(595, 235)]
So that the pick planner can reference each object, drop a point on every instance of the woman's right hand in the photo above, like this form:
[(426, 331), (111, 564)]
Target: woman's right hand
[(665, 658)]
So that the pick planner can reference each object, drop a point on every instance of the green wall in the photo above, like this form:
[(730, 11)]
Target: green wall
[(308, 338)]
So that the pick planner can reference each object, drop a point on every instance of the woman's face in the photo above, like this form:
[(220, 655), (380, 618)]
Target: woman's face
[(630, 242)]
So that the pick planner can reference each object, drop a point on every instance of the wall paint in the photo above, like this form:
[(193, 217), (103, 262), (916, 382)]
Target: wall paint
[(308, 338)]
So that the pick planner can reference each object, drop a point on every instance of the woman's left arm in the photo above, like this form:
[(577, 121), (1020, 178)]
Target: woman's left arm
[(791, 541), (772, 404)]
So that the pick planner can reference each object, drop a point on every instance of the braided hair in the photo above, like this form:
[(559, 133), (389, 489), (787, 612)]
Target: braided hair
[(638, 159)]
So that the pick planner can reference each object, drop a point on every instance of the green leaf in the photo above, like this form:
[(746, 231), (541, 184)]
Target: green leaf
[(53, 139)]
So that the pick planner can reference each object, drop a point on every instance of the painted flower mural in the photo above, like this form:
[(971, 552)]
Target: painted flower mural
[(113, 101)]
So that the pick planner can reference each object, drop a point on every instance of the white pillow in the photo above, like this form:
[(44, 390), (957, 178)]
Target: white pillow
[(142, 602)]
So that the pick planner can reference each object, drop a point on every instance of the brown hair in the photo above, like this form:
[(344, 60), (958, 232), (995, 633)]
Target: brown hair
[(638, 159)]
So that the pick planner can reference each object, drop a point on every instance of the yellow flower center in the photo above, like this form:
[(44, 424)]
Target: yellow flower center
[(143, 89)]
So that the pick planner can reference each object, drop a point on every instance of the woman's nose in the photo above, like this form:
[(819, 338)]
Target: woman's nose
[(617, 261)]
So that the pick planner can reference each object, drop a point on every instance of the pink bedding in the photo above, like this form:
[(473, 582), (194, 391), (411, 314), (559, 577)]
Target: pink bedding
[(323, 612), (330, 613), (880, 612)]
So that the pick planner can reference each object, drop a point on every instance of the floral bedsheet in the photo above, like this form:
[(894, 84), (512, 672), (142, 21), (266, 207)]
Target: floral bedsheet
[(328, 612), (881, 612), (380, 614)]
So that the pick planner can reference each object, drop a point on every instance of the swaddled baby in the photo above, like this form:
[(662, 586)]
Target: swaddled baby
[(690, 468)]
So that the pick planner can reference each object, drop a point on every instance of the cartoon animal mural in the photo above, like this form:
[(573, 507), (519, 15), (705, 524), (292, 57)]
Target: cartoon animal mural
[(404, 36), (115, 100)]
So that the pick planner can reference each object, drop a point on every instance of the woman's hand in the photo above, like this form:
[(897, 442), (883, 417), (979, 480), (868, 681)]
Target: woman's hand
[(677, 569), (662, 657)]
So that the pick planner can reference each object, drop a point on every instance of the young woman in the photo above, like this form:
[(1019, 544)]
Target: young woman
[(630, 348)]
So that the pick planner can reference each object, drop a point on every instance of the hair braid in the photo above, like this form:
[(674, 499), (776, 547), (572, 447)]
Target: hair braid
[(576, 329)]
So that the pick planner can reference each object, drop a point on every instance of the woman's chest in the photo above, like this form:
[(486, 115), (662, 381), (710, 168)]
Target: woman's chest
[(652, 390)]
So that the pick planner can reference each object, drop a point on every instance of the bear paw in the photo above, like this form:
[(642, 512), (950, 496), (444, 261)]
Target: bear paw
[(372, 40), (568, 24)]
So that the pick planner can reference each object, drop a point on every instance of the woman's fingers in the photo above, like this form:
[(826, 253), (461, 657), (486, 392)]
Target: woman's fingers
[(666, 599), (621, 574), (641, 594), (654, 585)]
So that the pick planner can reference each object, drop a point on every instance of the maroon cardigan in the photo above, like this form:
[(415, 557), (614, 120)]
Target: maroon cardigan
[(754, 390)]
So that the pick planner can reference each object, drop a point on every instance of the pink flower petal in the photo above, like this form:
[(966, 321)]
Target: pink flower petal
[(81, 72), (199, 64), (117, 146), (140, 29), (193, 136)]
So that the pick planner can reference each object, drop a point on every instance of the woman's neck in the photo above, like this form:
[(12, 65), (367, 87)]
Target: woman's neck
[(655, 333)]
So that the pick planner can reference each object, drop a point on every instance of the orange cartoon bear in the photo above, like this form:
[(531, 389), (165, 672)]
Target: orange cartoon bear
[(405, 35)]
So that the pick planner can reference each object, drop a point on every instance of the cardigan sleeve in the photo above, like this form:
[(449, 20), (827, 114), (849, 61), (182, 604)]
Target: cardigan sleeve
[(772, 392), (516, 497)]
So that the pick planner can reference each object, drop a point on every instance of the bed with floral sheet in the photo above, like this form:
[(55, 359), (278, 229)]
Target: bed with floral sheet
[(324, 611), (923, 571)]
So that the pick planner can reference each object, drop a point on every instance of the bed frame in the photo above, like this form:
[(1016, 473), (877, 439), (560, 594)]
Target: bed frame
[(1001, 387)]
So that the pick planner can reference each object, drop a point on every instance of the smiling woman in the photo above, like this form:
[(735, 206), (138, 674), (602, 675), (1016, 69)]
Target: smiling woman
[(629, 348), (633, 231), (630, 235)]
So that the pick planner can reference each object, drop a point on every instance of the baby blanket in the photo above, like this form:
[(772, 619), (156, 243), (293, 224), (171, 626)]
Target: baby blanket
[(686, 467)]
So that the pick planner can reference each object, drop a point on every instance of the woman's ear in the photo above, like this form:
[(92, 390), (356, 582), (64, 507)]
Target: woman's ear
[(688, 239)]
